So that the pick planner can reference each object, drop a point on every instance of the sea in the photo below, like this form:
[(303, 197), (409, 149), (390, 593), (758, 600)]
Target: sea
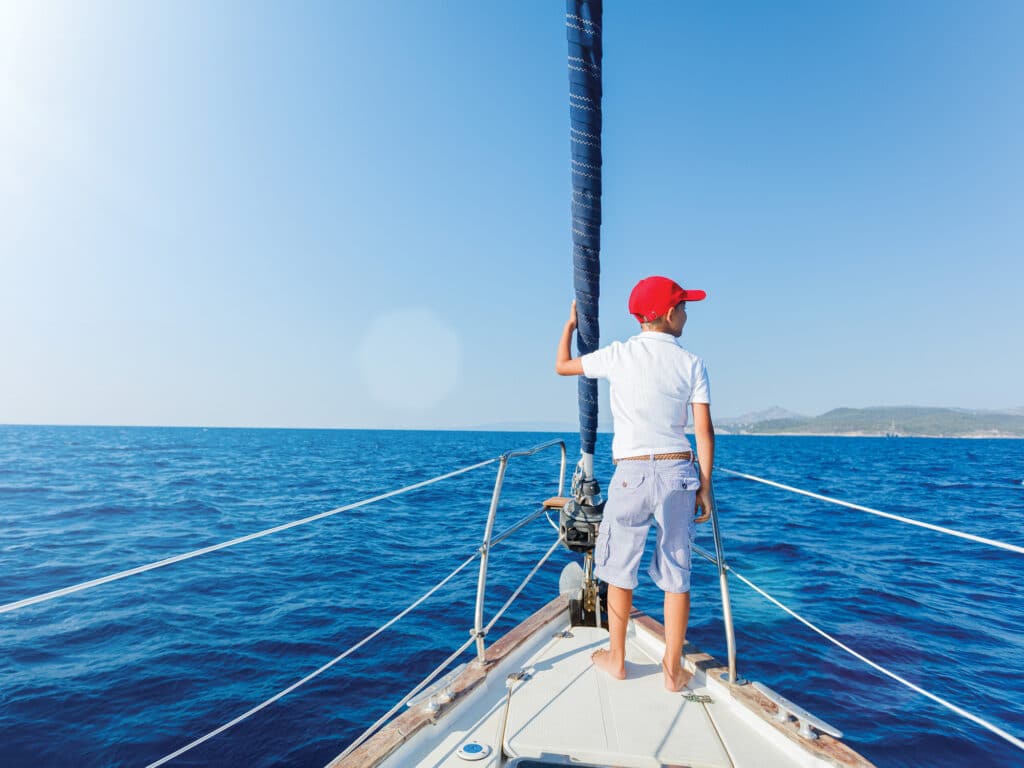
[(129, 671)]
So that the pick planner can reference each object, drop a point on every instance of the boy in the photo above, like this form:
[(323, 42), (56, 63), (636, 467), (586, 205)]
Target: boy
[(652, 380)]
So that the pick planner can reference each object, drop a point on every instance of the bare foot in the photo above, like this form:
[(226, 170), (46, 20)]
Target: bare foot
[(676, 682), (603, 660)]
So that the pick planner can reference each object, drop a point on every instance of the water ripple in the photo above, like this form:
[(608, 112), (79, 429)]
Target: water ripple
[(130, 671)]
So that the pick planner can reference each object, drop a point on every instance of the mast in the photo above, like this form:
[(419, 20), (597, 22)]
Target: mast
[(583, 28)]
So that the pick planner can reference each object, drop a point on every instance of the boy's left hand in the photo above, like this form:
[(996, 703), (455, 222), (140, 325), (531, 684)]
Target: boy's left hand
[(703, 504)]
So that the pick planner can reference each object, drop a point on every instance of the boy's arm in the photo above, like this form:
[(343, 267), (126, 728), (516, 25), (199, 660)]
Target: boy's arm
[(565, 363), (704, 432)]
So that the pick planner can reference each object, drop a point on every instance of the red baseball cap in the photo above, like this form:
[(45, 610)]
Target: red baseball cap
[(652, 297)]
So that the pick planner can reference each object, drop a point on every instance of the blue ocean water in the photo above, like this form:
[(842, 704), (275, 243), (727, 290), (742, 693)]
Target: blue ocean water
[(130, 671)]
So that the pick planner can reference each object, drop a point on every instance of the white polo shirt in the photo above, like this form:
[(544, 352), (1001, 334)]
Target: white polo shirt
[(652, 380)]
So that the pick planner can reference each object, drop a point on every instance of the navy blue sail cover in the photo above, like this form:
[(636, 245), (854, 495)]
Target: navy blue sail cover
[(583, 27)]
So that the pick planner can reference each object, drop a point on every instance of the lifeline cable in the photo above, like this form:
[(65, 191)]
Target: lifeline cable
[(522, 586), (423, 684), (426, 681), (360, 644), (908, 520), (281, 694), (952, 707), (224, 545)]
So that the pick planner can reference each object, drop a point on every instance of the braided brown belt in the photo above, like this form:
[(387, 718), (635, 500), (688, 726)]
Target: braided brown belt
[(681, 456)]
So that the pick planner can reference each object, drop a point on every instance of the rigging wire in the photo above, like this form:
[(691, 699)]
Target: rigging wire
[(423, 684), (224, 545), (908, 520), (426, 681), (369, 731), (948, 705), (519, 589), (320, 670)]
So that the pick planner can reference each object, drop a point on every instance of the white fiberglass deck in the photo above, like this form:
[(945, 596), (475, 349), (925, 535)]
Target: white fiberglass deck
[(569, 707), (566, 710)]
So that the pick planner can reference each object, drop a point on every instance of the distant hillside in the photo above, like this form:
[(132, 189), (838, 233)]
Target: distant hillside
[(903, 421), (771, 414)]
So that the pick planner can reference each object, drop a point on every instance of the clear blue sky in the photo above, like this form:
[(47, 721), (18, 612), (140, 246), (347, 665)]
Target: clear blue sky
[(356, 214)]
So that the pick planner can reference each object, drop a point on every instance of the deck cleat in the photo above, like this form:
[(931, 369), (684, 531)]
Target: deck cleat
[(804, 719)]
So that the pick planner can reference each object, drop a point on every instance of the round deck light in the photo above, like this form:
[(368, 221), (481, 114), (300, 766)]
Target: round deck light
[(473, 750)]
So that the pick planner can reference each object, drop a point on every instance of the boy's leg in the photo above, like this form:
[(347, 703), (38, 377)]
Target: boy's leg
[(677, 615), (670, 567), (627, 518), (613, 660)]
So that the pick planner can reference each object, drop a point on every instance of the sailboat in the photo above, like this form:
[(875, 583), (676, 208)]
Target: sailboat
[(533, 698)]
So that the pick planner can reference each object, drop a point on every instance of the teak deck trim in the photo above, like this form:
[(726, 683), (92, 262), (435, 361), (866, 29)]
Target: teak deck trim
[(825, 747), (399, 730), (382, 744)]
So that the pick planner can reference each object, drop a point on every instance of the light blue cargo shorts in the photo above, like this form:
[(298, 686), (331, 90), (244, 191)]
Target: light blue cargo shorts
[(642, 492)]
